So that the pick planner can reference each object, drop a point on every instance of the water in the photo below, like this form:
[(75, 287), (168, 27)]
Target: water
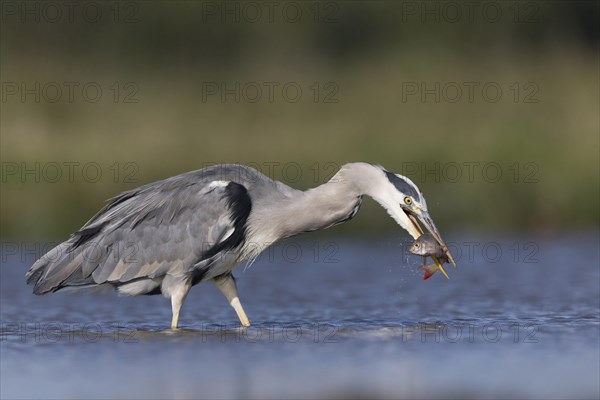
[(331, 318)]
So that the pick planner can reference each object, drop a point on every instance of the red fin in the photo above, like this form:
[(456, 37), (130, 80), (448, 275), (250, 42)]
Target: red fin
[(429, 270), (427, 275)]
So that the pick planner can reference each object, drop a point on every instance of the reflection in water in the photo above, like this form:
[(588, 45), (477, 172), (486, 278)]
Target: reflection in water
[(358, 323)]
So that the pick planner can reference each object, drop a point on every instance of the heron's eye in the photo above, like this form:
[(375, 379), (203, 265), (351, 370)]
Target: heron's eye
[(417, 245), (408, 200)]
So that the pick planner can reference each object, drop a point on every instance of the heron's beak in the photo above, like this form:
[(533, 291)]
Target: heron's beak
[(424, 218)]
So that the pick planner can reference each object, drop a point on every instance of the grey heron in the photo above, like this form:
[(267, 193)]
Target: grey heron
[(167, 236)]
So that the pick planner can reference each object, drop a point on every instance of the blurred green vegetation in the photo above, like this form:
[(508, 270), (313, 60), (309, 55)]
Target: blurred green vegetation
[(545, 125)]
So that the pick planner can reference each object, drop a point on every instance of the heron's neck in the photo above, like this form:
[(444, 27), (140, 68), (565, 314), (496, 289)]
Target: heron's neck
[(321, 207)]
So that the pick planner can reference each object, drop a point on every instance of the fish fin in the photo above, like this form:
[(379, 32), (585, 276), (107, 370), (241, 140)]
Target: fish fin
[(428, 273)]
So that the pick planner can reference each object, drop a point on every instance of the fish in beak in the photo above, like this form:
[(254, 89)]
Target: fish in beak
[(422, 217), (406, 204)]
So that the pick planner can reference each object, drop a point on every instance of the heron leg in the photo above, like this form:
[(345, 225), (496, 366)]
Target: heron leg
[(177, 298), (227, 286)]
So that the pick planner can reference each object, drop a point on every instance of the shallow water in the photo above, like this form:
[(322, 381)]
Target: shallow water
[(331, 318)]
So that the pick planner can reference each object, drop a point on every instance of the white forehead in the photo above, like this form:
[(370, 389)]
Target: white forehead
[(405, 186)]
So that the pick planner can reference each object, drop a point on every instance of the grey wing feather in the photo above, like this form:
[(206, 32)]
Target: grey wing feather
[(161, 228)]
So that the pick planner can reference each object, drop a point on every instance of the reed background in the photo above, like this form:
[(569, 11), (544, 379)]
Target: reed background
[(157, 61)]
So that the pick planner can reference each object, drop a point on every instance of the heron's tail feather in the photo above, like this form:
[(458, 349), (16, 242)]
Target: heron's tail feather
[(59, 268)]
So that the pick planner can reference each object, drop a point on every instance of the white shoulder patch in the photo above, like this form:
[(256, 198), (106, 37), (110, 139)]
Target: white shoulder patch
[(215, 184)]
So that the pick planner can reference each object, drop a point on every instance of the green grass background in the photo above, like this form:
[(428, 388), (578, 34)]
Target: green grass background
[(369, 52)]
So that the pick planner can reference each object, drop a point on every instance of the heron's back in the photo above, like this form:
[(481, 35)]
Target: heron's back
[(189, 226)]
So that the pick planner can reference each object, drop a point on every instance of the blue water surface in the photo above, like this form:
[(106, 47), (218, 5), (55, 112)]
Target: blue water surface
[(334, 318)]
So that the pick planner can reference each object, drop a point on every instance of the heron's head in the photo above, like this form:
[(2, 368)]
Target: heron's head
[(406, 204)]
